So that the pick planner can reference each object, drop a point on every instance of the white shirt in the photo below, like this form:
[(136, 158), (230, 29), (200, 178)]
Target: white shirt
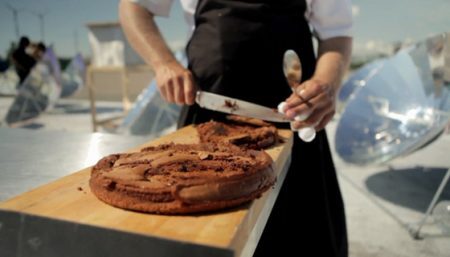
[(328, 18)]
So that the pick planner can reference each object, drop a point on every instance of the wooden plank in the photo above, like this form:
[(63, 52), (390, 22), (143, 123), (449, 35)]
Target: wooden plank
[(230, 229)]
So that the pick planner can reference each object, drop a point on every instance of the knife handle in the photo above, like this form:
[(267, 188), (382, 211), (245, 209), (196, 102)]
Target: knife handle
[(306, 134)]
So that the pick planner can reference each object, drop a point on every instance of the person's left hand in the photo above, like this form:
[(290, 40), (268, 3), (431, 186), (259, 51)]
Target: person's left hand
[(313, 99)]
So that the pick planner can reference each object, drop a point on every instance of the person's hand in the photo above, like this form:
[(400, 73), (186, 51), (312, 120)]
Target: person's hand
[(312, 104), (175, 83)]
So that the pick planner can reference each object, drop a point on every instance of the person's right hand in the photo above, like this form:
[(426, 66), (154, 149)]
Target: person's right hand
[(175, 83)]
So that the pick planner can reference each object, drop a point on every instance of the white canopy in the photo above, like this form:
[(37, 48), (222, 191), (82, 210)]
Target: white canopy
[(110, 47)]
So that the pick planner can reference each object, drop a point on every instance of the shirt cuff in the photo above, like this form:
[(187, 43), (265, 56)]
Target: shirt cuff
[(327, 33), (156, 7), (332, 18)]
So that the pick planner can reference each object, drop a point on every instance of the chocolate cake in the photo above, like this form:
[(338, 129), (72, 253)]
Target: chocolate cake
[(241, 131), (176, 179)]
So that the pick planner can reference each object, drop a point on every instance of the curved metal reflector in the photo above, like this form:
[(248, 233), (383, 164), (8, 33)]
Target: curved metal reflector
[(38, 92), (150, 114), (358, 80), (400, 104), (72, 79)]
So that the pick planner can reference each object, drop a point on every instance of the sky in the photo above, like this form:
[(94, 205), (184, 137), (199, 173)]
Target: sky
[(65, 18), (376, 22)]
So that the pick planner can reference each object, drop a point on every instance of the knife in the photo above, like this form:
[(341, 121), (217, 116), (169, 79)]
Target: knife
[(230, 105)]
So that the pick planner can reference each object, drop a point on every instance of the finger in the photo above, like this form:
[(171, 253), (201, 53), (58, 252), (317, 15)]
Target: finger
[(297, 106), (179, 91), (189, 90), (314, 119), (295, 90), (303, 108), (324, 121), (310, 89), (163, 92), (170, 91), (296, 99), (304, 93)]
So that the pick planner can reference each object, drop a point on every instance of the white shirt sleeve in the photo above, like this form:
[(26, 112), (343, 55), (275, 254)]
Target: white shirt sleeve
[(157, 7), (330, 18)]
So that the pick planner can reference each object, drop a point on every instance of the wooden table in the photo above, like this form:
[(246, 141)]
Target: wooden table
[(64, 218)]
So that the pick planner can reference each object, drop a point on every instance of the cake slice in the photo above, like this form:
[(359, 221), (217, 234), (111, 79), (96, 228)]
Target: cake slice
[(240, 131)]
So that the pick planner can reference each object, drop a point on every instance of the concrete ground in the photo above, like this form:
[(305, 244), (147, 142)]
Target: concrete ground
[(384, 202), (67, 115), (381, 201)]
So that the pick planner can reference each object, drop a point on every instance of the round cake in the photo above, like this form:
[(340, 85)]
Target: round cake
[(240, 131), (177, 179)]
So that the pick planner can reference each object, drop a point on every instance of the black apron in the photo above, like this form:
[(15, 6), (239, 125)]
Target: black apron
[(237, 50)]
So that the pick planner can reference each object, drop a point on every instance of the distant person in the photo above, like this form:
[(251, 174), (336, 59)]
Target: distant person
[(22, 61), (38, 51)]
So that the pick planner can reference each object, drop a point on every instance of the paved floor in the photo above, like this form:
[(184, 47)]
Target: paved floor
[(381, 201)]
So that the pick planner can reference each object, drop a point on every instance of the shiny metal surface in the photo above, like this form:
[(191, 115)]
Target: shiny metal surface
[(358, 80), (398, 104), (230, 105), (151, 115), (292, 69), (29, 158), (72, 79), (39, 91)]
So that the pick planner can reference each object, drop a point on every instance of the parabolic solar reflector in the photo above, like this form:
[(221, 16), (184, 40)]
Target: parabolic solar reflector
[(72, 79), (399, 105), (150, 114), (358, 80), (38, 92)]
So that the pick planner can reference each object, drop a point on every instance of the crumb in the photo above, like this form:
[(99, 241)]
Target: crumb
[(79, 188), (183, 168), (204, 156), (231, 104)]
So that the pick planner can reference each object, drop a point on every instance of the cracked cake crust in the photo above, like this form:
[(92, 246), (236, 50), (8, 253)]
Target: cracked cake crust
[(177, 179), (242, 132)]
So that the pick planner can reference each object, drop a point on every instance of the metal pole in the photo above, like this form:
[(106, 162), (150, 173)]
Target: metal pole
[(16, 23), (41, 20), (15, 12), (416, 233), (41, 17)]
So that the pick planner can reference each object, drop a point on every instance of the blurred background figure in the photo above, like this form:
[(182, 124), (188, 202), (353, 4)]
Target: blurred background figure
[(37, 50), (22, 60)]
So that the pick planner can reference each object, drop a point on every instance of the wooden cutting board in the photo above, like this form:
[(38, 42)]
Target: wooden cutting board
[(236, 230)]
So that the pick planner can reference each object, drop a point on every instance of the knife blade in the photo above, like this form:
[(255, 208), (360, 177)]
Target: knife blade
[(230, 105)]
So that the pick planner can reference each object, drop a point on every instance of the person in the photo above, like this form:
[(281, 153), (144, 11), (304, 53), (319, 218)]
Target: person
[(22, 61), (37, 51), (236, 49)]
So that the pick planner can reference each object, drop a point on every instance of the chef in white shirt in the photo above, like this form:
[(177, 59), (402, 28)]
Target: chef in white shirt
[(236, 49)]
